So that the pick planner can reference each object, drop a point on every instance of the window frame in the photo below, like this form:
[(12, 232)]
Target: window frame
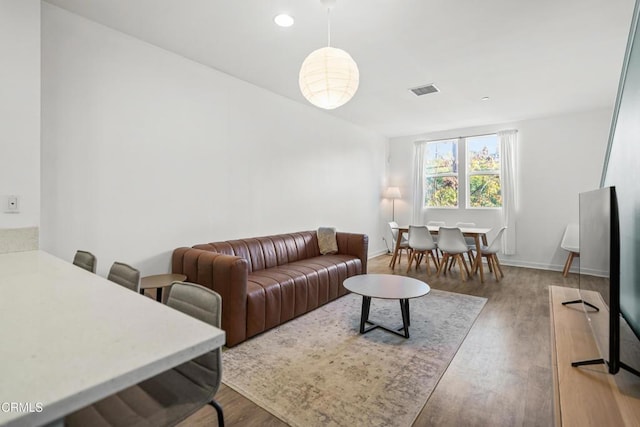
[(464, 177), (469, 173), (456, 174)]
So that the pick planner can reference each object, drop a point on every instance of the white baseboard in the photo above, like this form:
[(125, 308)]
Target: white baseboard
[(535, 265), (510, 263), (377, 253)]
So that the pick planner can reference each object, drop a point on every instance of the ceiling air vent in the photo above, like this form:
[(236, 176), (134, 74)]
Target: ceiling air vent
[(424, 90)]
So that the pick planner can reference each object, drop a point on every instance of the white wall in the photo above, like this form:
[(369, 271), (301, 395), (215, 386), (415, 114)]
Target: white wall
[(20, 111), (145, 151), (558, 157)]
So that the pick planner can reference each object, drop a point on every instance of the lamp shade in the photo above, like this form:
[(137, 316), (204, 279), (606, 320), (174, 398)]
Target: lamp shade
[(329, 77), (393, 193)]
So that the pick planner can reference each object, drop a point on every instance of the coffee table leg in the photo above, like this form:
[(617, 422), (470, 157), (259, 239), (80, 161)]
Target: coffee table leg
[(404, 307), (159, 294), (408, 317), (364, 317)]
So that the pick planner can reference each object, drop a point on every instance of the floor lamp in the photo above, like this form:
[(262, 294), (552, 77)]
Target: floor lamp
[(393, 193)]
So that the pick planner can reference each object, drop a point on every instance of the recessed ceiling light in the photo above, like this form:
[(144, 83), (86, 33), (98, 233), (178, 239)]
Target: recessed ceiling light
[(283, 20), (484, 98)]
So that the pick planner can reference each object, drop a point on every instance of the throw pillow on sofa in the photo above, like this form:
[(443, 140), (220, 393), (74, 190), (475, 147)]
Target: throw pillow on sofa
[(327, 240)]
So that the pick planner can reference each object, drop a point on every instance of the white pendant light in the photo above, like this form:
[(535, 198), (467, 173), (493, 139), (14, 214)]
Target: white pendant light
[(329, 77)]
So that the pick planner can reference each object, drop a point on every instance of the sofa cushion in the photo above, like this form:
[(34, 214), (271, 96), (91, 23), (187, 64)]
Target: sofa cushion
[(269, 251), (276, 295)]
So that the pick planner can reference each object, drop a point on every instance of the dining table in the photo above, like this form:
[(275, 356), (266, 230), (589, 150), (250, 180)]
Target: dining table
[(479, 235), (71, 338)]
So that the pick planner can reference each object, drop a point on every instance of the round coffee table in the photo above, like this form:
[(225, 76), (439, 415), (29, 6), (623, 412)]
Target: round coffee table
[(160, 281), (386, 286)]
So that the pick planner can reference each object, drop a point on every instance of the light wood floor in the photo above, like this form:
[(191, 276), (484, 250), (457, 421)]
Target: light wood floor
[(501, 375)]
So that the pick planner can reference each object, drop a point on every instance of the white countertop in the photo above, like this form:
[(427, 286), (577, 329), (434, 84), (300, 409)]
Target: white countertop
[(69, 337)]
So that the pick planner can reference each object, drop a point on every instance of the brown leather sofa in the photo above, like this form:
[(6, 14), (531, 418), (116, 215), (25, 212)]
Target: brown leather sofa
[(266, 281)]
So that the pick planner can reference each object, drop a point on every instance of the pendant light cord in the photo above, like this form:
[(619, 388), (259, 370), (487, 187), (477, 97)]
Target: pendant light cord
[(329, 27)]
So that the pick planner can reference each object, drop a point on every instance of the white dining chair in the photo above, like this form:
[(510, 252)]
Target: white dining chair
[(404, 242), (452, 244), (471, 242), (491, 254), (435, 238), (571, 243), (422, 246)]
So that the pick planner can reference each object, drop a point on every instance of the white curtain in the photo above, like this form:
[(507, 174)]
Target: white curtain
[(418, 183), (508, 147)]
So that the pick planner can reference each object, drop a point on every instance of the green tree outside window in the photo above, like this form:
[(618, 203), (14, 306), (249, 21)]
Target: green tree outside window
[(481, 182), (483, 160), (441, 174)]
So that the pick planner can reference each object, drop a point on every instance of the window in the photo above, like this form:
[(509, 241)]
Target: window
[(441, 174), (483, 172), (480, 184)]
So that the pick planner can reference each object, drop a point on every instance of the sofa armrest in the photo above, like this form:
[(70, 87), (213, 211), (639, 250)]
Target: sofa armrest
[(354, 244), (225, 274)]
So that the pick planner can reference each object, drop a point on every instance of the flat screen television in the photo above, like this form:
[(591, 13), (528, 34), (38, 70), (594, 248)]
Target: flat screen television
[(621, 170), (600, 286)]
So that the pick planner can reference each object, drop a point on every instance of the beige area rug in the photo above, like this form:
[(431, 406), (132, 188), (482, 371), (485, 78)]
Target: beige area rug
[(317, 370)]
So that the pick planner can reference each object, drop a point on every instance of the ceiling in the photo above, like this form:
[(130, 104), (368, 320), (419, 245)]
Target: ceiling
[(532, 58)]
